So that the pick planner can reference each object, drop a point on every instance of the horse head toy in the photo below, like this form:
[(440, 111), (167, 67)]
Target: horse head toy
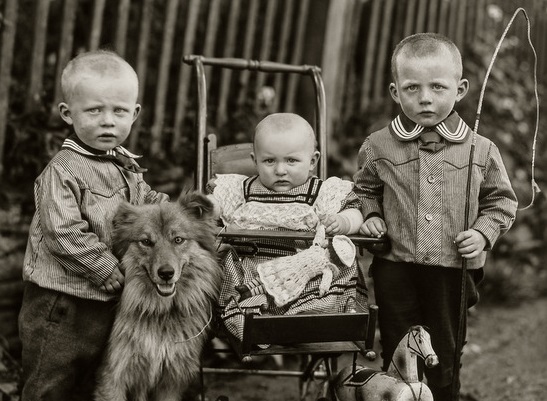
[(400, 382)]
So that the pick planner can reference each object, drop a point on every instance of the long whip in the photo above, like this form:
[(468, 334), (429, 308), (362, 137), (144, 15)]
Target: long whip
[(535, 188)]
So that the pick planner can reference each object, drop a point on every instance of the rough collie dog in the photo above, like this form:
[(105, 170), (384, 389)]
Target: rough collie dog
[(172, 283)]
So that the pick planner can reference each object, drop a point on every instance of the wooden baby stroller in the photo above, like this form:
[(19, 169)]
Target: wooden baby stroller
[(321, 338)]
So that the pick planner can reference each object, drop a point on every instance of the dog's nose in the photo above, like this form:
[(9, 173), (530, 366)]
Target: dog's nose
[(166, 272)]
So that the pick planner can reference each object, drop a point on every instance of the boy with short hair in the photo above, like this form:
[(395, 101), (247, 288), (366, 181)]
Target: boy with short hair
[(412, 183), (72, 278)]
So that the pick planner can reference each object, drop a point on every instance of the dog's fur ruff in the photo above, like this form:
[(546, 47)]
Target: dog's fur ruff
[(172, 283)]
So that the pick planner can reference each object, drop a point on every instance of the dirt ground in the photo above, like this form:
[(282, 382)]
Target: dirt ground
[(505, 360)]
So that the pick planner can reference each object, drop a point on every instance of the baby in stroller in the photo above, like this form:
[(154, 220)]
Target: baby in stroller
[(285, 195)]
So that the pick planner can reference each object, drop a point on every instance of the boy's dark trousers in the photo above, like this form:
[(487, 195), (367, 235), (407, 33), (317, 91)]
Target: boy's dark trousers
[(409, 294), (63, 340)]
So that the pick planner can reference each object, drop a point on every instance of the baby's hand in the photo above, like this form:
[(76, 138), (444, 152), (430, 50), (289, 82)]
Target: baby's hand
[(470, 243), (336, 224), (115, 282), (374, 227)]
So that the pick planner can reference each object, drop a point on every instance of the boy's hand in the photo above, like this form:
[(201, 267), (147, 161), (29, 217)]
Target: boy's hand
[(114, 283), (470, 243), (374, 227), (336, 224)]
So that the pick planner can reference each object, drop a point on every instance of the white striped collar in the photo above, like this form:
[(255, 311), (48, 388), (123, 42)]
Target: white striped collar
[(453, 128), (75, 145)]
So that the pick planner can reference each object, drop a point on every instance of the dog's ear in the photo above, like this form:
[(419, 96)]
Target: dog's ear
[(124, 217), (197, 204)]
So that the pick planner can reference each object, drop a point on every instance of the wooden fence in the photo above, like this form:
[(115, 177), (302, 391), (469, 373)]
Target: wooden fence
[(350, 39)]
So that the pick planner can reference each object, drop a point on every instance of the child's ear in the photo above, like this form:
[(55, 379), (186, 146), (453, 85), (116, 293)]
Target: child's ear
[(394, 92), (314, 159), (463, 87), (253, 157), (136, 112), (65, 113)]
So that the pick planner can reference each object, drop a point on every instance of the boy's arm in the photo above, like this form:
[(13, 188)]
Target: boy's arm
[(154, 196), (497, 200), (66, 234), (368, 185)]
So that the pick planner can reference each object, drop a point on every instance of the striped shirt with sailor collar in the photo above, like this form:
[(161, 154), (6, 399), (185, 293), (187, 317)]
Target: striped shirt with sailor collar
[(76, 197)]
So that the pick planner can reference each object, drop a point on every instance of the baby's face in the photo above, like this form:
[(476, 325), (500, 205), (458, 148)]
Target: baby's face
[(102, 110), (284, 159), (427, 88)]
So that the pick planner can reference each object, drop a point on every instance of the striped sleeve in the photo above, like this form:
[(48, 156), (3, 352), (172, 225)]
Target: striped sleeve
[(66, 234), (368, 185), (498, 202)]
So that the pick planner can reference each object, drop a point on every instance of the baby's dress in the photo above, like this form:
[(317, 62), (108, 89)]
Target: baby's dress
[(245, 203)]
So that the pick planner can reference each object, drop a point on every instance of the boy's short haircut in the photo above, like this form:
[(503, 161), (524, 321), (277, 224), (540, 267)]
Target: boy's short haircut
[(422, 45), (97, 62), (282, 122)]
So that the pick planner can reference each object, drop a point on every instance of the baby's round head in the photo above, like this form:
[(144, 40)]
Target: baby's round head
[(284, 151)]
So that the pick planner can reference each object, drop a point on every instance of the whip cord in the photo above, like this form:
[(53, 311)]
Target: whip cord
[(535, 187)]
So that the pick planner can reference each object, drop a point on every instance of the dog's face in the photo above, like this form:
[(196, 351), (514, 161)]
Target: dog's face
[(158, 242)]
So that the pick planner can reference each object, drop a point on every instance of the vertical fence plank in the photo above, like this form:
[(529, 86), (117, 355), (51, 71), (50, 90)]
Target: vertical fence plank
[(453, 19), (163, 77), (410, 17), (248, 44), (459, 34), (432, 16), (266, 43), (229, 51), (65, 49), (297, 52), (185, 72), (443, 17), (96, 24), (380, 86), (370, 56), (211, 34), (283, 49), (6, 61), (334, 56), (479, 19), (121, 27), (142, 64), (470, 17), (421, 16), (33, 98), (349, 101)]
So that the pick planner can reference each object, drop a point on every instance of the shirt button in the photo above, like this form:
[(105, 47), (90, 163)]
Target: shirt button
[(429, 217), (431, 179), (427, 259)]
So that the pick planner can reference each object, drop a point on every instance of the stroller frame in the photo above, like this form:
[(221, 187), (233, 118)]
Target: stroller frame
[(323, 337)]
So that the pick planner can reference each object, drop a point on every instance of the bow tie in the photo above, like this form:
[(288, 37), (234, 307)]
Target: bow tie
[(431, 141), (125, 162)]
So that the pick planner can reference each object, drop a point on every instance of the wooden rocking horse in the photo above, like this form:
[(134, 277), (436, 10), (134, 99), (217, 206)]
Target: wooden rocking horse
[(400, 382)]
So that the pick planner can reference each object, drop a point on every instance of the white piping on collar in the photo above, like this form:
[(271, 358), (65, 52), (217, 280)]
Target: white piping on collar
[(71, 144), (458, 135), (442, 129), (400, 130)]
